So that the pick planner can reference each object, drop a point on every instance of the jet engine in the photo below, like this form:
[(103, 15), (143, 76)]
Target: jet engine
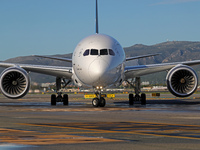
[(14, 82), (182, 81)]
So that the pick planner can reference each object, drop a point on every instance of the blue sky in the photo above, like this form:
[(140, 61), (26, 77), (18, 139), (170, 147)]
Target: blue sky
[(47, 27)]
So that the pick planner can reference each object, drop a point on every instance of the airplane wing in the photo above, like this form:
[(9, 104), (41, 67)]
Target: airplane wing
[(136, 71), (141, 56), (63, 72), (55, 58)]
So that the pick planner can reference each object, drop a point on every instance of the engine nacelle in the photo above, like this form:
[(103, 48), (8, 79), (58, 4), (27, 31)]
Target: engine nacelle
[(182, 81), (14, 82)]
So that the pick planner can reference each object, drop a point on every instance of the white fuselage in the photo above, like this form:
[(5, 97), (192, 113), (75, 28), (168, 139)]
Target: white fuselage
[(98, 61)]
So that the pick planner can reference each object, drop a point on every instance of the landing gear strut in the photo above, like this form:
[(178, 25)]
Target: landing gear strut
[(59, 97), (137, 97), (98, 101)]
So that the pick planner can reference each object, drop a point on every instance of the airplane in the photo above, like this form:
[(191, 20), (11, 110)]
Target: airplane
[(98, 62)]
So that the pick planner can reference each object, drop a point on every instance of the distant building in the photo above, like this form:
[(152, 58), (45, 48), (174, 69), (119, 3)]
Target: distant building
[(159, 88), (145, 83)]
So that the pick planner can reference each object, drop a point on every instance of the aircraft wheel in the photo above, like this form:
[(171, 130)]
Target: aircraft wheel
[(95, 102), (65, 99), (53, 99), (102, 102), (143, 99), (131, 99)]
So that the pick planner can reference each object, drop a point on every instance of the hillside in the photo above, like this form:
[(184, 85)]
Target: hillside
[(172, 51)]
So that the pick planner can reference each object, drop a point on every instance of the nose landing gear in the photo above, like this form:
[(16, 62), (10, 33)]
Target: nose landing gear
[(98, 101)]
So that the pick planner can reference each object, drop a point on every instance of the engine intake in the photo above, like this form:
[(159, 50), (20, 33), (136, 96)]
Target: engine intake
[(14, 82), (182, 81)]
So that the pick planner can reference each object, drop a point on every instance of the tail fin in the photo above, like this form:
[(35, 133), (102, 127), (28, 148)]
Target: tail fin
[(97, 23)]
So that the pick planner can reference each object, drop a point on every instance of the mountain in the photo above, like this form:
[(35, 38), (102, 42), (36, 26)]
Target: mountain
[(171, 51)]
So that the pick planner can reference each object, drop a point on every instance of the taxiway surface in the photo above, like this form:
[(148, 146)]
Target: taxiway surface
[(165, 122)]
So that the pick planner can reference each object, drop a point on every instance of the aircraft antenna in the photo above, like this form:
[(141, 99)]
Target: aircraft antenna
[(97, 24)]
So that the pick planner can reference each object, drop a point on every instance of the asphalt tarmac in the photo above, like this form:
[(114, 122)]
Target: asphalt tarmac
[(166, 123)]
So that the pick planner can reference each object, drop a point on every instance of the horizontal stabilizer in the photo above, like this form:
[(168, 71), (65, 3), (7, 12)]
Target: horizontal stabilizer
[(141, 56), (55, 58)]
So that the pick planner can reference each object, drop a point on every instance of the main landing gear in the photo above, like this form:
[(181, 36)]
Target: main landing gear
[(137, 97), (59, 97), (98, 101)]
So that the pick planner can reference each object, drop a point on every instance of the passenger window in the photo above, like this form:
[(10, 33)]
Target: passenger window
[(111, 52), (86, 53), (103, 52), (94, 52)]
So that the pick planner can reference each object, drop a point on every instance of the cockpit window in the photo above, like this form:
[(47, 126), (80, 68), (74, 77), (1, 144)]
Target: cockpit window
[(94, 52), (86, 53), (111, 52), (103, 52)]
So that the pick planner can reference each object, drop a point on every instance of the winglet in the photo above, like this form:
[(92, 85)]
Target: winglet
[(97, 23)]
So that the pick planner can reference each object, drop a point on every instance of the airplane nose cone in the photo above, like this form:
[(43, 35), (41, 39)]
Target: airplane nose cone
[(98, 70)]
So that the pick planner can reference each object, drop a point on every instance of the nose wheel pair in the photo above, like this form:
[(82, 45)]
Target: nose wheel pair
[(96, 102)]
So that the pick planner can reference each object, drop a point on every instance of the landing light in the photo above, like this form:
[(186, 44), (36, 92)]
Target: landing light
[(99, 87)]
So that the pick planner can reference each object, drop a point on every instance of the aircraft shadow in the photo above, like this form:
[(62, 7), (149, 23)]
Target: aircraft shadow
[(172, 102)]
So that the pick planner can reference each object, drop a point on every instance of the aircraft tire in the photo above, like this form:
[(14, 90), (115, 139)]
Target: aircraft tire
[(102, 102), (53, 99), (95, 102), (143, 99), (131, 99), (65, 99)]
